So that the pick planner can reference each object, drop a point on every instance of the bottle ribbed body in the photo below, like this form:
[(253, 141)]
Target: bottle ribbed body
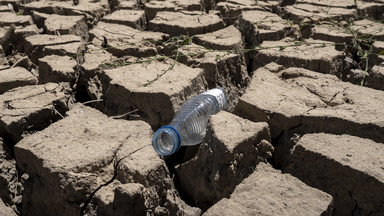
[(188, 127), (191, 120)]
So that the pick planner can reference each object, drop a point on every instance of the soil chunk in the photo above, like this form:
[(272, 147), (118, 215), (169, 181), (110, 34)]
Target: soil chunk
[(57, 69), (258, 26), (232, 149), (15, 77), (225, 39), (315, 13), (185, 23), (8, 18), (351, 170), (29, 108), (316, 55), (121, 40), (156, 96), (133, 18), (269, 192), (297, 100)]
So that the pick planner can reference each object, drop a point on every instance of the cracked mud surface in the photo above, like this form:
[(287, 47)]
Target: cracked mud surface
[(84, 84)]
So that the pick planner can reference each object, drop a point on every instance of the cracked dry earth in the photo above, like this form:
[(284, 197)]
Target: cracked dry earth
[(84, 84)]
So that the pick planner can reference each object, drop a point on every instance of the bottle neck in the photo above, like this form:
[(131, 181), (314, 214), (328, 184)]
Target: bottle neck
[(166, 140)]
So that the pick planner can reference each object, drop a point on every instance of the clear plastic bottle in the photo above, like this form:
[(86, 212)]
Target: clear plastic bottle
[(188, 127)]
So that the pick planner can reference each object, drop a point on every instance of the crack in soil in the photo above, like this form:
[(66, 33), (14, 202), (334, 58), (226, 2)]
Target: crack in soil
[(115, 169)]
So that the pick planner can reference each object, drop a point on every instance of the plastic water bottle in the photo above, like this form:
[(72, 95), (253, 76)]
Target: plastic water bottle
[(188, 127)]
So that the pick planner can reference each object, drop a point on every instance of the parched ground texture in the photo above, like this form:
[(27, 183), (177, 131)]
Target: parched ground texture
[(85, 83)]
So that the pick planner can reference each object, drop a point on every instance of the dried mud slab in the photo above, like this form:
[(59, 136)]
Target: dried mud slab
[(220, 69), (93, 58), (8, 18), (225, 39), (53, 68), (153, 7), (370, 9), (15, 77), (231, 10), (258, 26), (314, 13), (124, 5), (329, 3), (116, 150), (92, 10), (61, 25), (133, 199), (269, 192), (370, 28), (73, 50), (377, 47), (232, 148), (316, 55), (299, 101), (185, 23), (375, 79), (34, 44), (5, 8), (29, 108), (21, 32), (133, 18), (351, 170), (329, 32), (121, 40), (156, 90), (5, 210), (146, 168)]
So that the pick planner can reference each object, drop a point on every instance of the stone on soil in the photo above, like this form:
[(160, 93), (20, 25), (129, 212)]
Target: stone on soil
[(232, 148), (269, 192), (156, 96), (53, 68), (121, 40), (133, 18), (296, 100), (29, 108), (316, 55), (351, 170), (15, 77), (258, 26), (225, 39), (185, 22)]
